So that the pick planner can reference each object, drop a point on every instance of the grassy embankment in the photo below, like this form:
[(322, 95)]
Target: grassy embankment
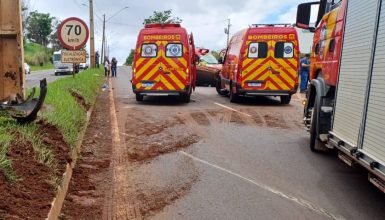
[(36, 54), (61, 110)]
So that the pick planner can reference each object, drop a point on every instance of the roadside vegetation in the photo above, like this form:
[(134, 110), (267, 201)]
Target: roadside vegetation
[(67, 101), (65, 108), (38, 56)]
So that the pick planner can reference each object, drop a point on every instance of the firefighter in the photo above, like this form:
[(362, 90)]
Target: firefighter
[(304, 72)]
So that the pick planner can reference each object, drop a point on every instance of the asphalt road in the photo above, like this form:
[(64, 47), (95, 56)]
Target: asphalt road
[(211, 159), (33, 79)]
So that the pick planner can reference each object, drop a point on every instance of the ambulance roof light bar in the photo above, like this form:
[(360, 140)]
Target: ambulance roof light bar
[(272, 25), (162, 25)]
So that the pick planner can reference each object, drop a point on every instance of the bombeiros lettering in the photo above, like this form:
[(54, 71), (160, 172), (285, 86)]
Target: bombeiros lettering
[(163, 37)]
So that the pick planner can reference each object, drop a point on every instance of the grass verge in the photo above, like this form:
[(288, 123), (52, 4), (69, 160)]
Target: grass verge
[(62, 110), (46, 66)]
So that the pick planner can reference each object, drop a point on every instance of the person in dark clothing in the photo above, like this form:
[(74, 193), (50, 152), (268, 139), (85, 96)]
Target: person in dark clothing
[(97, 57), (114, 66), (304, 72)]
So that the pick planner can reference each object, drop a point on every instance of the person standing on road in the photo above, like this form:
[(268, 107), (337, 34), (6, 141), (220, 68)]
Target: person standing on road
[(107, 67), (304, 72), (114, 66), (97, 57)]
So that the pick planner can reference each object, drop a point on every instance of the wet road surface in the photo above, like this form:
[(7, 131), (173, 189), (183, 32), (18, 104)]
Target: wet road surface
[(33, 79), (211, 159)]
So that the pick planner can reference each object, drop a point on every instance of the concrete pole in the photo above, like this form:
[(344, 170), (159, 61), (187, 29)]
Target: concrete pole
[(103, 40), (92, 35), (228, 31)]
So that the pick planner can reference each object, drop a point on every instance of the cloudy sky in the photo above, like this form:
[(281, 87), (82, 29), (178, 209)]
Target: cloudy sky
[(205, 18)]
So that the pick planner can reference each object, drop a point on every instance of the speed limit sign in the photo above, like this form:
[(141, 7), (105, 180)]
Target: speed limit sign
[(73, 33)]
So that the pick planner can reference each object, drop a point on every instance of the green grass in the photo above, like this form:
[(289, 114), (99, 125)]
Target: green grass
[(46, 66), (63, 111), (66, 114), (36, 54)]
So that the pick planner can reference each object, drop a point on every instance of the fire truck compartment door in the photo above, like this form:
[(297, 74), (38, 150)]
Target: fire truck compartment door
[(356, 62), (374, 138)]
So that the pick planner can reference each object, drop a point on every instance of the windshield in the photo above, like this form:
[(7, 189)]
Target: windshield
[(209, 59), (56, 57)]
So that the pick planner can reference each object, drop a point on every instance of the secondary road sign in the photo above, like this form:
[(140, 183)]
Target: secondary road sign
[(73, 56), (73, 33)]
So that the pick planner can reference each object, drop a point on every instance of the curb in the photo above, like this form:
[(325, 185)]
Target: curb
[(58, 201)]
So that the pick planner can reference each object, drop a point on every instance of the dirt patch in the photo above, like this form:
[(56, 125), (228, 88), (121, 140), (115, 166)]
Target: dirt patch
[(236, 118), (52, 137), (147, 137), (31, 196), (81, 101), (200, 118), (149, 150), (92, 175), (153, 200), (275, 121)]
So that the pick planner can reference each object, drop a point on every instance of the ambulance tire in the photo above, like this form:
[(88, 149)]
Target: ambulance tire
[(218, 86), (234, 98), (139, 97), (186, 98), (285, 99)]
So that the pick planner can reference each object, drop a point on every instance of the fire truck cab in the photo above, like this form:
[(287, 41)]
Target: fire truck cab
[(262, 60), (164, 62)]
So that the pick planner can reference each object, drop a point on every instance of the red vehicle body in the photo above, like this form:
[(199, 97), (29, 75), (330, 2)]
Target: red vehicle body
[(261, 60), (327, 44), (208, 67), (164, 62), (325, 64)]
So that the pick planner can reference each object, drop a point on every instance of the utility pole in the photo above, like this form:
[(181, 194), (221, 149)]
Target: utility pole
[(103, 40), (92, 35), (227, 31)]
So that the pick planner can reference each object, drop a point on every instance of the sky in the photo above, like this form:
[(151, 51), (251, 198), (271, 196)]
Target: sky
[(206, 19)]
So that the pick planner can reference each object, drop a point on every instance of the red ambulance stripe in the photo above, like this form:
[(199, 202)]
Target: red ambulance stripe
[(257, 67)]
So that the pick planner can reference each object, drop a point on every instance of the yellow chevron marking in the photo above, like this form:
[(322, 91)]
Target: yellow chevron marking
[(148, 65), (283, 75)]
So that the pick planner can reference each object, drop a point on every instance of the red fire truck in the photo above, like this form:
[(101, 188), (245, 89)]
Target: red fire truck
[(345, 102)]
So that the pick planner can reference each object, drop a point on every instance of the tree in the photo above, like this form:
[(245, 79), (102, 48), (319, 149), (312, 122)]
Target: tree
[(25, 6), (162, 17), (130, 58), (54, 37), (39, 27)]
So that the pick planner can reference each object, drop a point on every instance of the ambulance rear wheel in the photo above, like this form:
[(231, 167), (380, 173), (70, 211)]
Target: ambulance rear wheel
[(285, 99), (186, 98), (234, 98), (139, 97)]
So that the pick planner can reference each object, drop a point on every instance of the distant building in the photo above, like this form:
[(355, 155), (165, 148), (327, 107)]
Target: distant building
[(305, 40)]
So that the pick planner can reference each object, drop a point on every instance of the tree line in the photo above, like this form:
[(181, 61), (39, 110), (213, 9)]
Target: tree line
[(40, 28)]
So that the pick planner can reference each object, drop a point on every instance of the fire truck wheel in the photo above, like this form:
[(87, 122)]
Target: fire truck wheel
[(139, 97), (285, 99), (315, 144)]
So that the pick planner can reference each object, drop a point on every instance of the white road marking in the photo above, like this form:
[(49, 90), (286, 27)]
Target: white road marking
[(299, 201), (231, 109)]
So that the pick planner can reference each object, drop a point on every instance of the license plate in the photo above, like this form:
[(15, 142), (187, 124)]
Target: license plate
[(255, 84), (147, 85)]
